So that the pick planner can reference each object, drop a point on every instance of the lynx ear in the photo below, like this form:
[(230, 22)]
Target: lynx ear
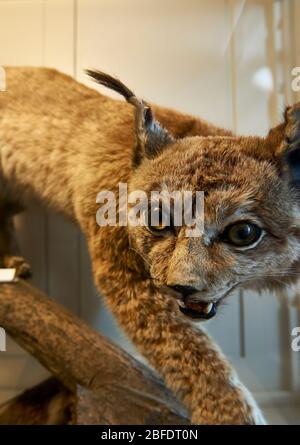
[(151, 138), (291, 144)]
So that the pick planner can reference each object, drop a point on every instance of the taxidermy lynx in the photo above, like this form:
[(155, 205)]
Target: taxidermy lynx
[(63, 142)]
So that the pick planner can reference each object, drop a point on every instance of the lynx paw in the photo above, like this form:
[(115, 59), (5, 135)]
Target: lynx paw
[(17, 262)]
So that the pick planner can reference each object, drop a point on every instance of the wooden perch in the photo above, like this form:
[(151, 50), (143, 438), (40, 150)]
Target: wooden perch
[(109, 386)]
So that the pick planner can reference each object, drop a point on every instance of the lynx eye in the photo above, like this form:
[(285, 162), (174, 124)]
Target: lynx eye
[(158, 221), (242, 234)]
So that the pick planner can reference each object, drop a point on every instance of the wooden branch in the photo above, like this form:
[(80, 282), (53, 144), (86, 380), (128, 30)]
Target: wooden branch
[(111, 387)]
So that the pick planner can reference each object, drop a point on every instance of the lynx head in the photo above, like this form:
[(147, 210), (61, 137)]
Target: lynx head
[(251, 231)]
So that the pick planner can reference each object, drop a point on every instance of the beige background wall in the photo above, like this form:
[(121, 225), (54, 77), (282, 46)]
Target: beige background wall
[(227, 61)]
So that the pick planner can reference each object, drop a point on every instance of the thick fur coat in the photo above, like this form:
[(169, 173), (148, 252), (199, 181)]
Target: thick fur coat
[(63, 143)]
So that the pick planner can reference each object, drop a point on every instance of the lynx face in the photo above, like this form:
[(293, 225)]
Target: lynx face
[(251, 231)]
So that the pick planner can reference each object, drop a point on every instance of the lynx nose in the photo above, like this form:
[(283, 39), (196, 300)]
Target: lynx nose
[(184, 290)]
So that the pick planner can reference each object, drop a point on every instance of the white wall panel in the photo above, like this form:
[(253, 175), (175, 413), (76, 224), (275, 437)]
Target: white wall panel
[(171, 52), (21, 32)]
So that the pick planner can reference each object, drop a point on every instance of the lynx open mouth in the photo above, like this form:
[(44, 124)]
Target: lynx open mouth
[(198, 310)]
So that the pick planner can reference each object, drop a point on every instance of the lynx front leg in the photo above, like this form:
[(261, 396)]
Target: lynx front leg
[(9, 251), (187, 358)]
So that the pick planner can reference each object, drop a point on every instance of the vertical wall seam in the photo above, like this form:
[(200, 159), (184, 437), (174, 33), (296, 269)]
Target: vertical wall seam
[(232, 64), (78, 238), (75, 37)]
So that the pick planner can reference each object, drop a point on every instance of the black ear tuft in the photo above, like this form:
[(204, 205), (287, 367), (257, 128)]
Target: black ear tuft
[(151, 138), (292, 120), (110, 82), (291, 150)]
